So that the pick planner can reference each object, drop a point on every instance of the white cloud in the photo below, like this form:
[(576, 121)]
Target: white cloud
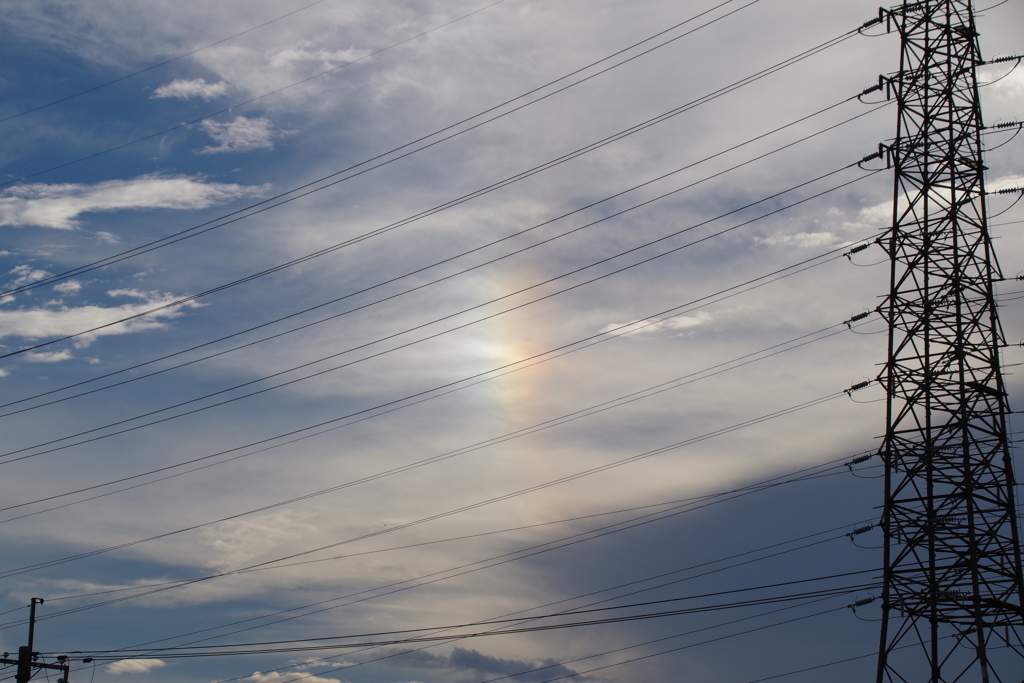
[(134, 666), (1009, 88), (57, 206), (679, 323), (800, 239), (38, 322), (880, 215), (241, 135), (26, 274), (68, 287), (183, 89), (239, 541), (1006, 183), (275, 677), (326, 59), (876, 216), (47, 356)]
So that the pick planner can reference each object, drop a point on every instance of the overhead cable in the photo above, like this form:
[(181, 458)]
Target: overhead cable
[(490, 501), (234, 649), (619, 401), (254, 209), (421, 270), (175, 59), (429, 323)]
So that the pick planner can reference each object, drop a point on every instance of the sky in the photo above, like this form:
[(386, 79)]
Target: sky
[(398, 316)]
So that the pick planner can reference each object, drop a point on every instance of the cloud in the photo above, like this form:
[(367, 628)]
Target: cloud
[(68, 287), (326, 59), (183, 89), (39, 322), (678, 323), (462, 659), (241, 135), (1006, 183), (26, 274), (878, 215), (47, 356), (800, 239), (134, 666), (1009, 88), (57, 206), (239, 541), (275, 677)]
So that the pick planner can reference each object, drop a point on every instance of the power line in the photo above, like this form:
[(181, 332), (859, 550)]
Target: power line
[(466, 508), (188, 233), (804, 474), (425, 268), (705, 642), (432, 322), (619, 401), (249, 101), (678, 502), (596, 340), (649, 642), (445, 575), (223, 649), (540, 354), (165, 62), (526, 619)]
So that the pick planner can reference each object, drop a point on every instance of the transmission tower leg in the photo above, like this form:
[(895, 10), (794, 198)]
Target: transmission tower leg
[(953, 585)]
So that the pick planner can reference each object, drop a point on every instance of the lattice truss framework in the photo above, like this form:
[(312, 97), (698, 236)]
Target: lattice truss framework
[(952, 584)]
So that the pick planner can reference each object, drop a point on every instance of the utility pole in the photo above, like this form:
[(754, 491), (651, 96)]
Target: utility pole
[(27, 657), (952, 584)]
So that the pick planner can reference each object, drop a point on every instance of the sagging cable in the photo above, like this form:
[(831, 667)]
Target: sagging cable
[(857, 250), (859, 316), (858, 387), (861, 603), (860, 530), (859, 459), (883, 82), (882, 152), (872, 22), (1000, 60)]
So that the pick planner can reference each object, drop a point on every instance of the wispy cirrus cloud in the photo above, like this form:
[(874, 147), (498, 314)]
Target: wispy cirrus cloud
[(183, 89), (800, 239), (241, 135), (237, 542), (59, 206), (47, 356), (676, 324), (134, 666), (276, 677), (308, 52)]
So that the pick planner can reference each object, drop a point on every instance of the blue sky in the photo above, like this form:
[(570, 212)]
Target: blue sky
[(448, 341)]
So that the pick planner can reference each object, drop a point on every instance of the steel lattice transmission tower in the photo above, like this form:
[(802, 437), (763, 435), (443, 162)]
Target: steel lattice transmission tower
[(952, 584)]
